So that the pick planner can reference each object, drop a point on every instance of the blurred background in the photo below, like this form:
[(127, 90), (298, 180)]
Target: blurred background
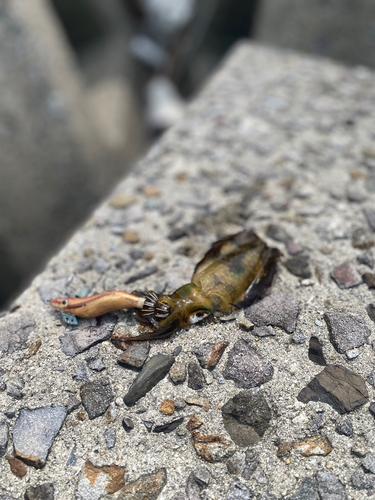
[(87, 85)]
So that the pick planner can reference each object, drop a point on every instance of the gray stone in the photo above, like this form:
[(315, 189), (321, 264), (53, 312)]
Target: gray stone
[(153, 371), (278, 309), (307, 491), (263, 331), (337, 386), (110, 438), (370, 216), (4, 437), (127, 424), (135, 355), (345, 427), (178, 373), (318, 424), (149, 271), (76, 341), (81, 373), (246, 418), (34, 433), (54, 289), (203, 353), (196, 378), (362, 481), (299, 338), (72, 460), (299, 266), (368, 464), (147, 486), (73, 403), (169, 427), (97, 365), (101, 266), (316, 352), (362, 239), (15, 386), (367, 258), (246, 368), (346, 330), (14, 333), (96, 397), (346, 275), (236, 463), (197, 481), (329, 487), (238, 491), (44, 491), (371, 311), (278, 233), (252, 462)]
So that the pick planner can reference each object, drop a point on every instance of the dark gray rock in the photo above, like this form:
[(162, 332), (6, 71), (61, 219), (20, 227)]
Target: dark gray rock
[(81, 374), (94, 360), (370, 216), (236, 464), (34, 433), (196, 379), (153, 371), (368, 464), (141, 274), (149, 424), (329, 487), (238, 491), (72, 460), (362, 481), (177, 233), (278, 233), (246, 368), (338, 387), (96, 397), (44, 491), (362, 239), (316, 352), (307, 491), (15, 386), (371, 409), (246, 418), (76, 341), (135, 356), (278, 309), (367, 258), (371, 311), (252, 462), (197, 481), (369, 279), (345, 427), (4, 437), (317, 424), (203, 353), (169, 427), (110, 438), (178, 373), (263, 331), (14, 333), (299, 266), (346, 331), (73, 403), (346, 275), (127, 424)]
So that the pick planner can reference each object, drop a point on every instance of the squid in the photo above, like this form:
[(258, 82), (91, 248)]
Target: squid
[(235, 272)]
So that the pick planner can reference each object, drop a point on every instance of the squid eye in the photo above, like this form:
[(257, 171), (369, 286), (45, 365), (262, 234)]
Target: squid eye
[(198, 316)]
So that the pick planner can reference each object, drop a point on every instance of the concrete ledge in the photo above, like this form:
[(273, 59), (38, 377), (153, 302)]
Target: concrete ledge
[(276, 142)]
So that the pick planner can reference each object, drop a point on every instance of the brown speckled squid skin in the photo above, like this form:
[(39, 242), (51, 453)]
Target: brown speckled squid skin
[(233, 273)]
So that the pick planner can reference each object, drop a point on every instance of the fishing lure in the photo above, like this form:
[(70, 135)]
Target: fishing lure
[(233, 273)]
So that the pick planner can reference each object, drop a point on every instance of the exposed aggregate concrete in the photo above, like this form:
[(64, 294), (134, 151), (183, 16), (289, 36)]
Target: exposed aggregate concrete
[(275, 139)]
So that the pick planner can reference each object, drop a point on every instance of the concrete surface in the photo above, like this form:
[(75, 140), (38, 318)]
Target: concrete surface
[(274, 138)]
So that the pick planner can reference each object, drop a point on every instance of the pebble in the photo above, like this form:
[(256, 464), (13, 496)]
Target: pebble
[(198, 401), (352, 354), (142, 274), (15, 333), (110, 438), (316, 352), (153, 371), (101, 266), (356, 195), (44, 491), (278, 233), (238, 491), (15, 385), (278, 309), (81, 374), (135, 355), (97, 482), (341, 388), (147, 486), (4, 437), (72, 460), (362, 481), (197, 481), (169, 427), (131, 237), (307, 491), (361, 239), (294, 248), (345, 427), (176, 233), (369, 464), (178, 373), (122, 200), (73, 403), (346, 330), (194, 423), (54, 290), (168, 407), (96, 397), (369, 279), (69, 319), (367, 258), (263, 331), (314, 446), (359, 450), (97, 365), (371, 311), (246, 418), (346, 275), (76, 341), (34, 433), (371, 409), (17, 467), (370, 216), (299, 266), (299, 338), (209, 354), (212, 448), (127, 424), (318, 424), (196, 380), (246, 368)]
